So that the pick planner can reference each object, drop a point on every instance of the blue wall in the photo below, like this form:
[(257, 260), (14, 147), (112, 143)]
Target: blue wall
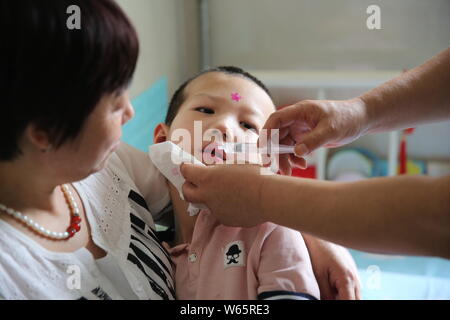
[(150, 109)]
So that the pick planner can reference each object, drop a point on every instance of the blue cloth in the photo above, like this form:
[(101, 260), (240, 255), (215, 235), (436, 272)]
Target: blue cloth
[(401, 277), (150, 109)]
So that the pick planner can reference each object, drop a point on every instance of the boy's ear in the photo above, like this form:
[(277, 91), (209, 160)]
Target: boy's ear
[(161, 133)]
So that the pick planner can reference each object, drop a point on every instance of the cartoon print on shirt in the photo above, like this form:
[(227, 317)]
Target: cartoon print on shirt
[(234, 254)]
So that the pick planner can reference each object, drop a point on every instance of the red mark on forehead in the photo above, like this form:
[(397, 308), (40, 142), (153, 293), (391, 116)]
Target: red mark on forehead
[(236, 96)]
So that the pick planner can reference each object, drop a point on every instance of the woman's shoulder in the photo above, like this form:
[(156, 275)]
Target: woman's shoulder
[(139, 172), (130, 171), (118, 195)]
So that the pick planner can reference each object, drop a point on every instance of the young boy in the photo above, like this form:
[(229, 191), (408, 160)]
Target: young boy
[(213, 261)]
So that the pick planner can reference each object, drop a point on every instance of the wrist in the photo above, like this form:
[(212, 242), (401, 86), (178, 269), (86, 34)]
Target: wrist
[(275, 198), (363, 107), (265, 193)]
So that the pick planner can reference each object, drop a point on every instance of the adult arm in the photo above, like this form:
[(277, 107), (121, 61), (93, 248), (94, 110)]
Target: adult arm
[(404, 214), (401, 215), (418, 96)]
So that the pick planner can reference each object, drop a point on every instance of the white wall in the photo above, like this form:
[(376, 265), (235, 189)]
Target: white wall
[(282, 36), (295, 35), (326, 34), (169, 39)]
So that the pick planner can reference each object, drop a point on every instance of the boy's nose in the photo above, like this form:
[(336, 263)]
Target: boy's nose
[(223, 129)]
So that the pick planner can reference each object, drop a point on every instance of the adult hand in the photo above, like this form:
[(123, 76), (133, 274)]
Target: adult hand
[(311, 124), (231, 192), (335, 270)]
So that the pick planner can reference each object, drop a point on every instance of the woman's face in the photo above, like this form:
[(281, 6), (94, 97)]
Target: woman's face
[(98, 139)]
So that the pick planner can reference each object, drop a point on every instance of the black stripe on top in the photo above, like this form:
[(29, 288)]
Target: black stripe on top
[(136, 197), (137, 223), (272, 294), (147, 257), (155, 256), (156, 288), (144, 258)]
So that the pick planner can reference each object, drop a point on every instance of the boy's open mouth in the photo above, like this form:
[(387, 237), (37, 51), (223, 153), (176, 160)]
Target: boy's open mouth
[(211, 154)]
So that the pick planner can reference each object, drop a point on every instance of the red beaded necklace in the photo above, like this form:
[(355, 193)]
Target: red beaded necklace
[(75, 219)]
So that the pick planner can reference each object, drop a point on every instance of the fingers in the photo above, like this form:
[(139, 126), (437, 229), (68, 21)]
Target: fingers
[(346, 292), (285, 166), (283, 118), (347, 287), (284, 132), (191, 193), (193, 173), (358, 291), (313, 140), (289, 161), (297, 162), (294, 119), (326, 291), (357, 288)]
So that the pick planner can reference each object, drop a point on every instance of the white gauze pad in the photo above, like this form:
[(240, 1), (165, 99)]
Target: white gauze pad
[(168, 158)]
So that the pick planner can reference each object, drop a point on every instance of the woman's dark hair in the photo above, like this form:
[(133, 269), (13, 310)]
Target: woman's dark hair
[(178, 97), (54, 76)]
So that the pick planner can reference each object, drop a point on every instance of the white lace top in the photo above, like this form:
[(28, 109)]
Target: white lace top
[(121, 202)]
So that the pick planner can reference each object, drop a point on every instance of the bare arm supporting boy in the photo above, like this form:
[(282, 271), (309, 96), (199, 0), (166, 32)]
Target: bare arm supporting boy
[(406, 215)]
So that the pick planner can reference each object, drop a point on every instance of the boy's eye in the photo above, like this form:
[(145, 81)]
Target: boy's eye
[(205, 110), (248, 126)]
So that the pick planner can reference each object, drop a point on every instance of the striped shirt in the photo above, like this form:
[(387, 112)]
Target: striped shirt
[(119, 202)]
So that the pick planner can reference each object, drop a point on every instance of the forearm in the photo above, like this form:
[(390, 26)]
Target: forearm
[(409, 215), (419, 96)]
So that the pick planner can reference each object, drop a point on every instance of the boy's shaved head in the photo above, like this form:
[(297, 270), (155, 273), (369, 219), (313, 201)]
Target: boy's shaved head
[(179, 96)]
